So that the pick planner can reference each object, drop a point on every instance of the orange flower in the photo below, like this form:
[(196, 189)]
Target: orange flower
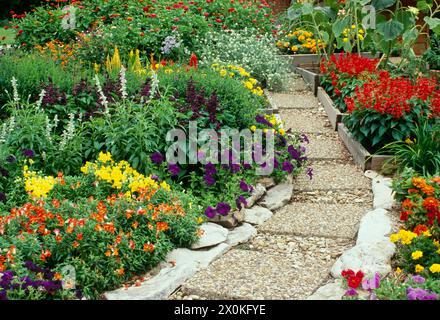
[(162, 226), (407, 204), (430, 203), (58, 276), (428, 190), (79, 236), (44, 255), (75, 244), (418, 182), (148, 247), (108, 253), (420, 229), (120, 271)]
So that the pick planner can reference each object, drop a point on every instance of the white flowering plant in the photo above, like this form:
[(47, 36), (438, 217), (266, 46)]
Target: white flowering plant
[(248, 49)]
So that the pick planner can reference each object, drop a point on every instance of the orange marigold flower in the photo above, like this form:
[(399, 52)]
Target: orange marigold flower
[(148, 247), (430, 203), (58, 276), (411, 190), (418, 182), (162, 226), (120, 271), (407, 204), (75, 244), (428, 190), (420, 229)]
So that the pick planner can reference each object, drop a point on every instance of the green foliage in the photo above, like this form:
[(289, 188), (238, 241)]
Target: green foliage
[(432, 55), (420, 151)]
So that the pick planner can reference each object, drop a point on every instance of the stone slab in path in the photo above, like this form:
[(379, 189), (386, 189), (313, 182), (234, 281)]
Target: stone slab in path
[(289, 101), (332, 176), (315, 219), (247, 274), (324, 147), (305, 121)]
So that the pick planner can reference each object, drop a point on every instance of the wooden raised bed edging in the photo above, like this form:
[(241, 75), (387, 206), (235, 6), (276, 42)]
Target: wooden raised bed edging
[(311, 78), (361, 156), (334, 115)]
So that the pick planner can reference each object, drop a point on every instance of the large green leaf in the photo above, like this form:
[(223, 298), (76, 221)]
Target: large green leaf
[(382, 4), (432, 22), (340, 25), (390, 30), (407, 18)]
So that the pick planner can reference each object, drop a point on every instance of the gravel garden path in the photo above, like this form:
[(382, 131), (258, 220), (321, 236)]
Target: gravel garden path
[(294, 250)]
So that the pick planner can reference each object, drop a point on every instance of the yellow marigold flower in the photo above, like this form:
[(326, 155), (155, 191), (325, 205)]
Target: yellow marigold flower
[(282, 132), (286, 44), (105, 157), (165, 186), (416, 255), (436, 243), (301, 38), (248, 85), (253, 128), (394, 237), (199, 220), (398, 270), (223, 72), (294, 48), (435, 268), (419, 268)]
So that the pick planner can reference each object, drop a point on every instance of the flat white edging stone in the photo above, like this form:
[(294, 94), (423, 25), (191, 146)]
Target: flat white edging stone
[(331, 291), (241, 234), (212, 234), (368, 257), (278, 196), (383, 193), (258, 192), (257, 215), (186, 263), (374, 227)]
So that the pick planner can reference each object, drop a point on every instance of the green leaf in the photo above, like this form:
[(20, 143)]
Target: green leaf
[(432, 22), (410, 35), (339, 26), (382, 4), (423, 6), (390, 29)]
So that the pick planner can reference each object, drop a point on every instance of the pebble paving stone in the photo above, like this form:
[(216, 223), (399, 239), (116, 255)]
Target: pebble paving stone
[(287, 101), (314, 219), (248, 274), (332, 176), (324, 147), (305, 121)]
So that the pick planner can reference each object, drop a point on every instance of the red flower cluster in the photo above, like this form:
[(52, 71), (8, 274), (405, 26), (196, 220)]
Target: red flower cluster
[(394, 96), (348, 63), (353, 279)]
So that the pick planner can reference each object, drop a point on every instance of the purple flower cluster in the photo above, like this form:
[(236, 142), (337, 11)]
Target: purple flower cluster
[(210, 170), (420, 294), (28, 153), (53, 95), (222, 208), (262, 120), (157, 158), (173, 169), (241, 200), (10, 282)]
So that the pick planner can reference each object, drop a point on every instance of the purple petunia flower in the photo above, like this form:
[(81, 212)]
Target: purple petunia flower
[(243, 186), (155, 177), (420, 294), (157, 158), (223, 208), (287, 166), (240, 201), (351, 292), (295, 154), (235, 168), (28, 153), (262, 120), (209, 180), (418, 279), (247, 166), (372, 283), (310, 173), (3, 295), (210, 169), (174, 169), (210, 212)]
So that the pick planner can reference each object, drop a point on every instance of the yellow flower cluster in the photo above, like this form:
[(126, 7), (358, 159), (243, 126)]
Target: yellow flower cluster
[(435, 268), (274, 122), (404, 236), (121, 174), (232, 71), (37, 186), (300, 41), (353, 33), (416, 255)]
